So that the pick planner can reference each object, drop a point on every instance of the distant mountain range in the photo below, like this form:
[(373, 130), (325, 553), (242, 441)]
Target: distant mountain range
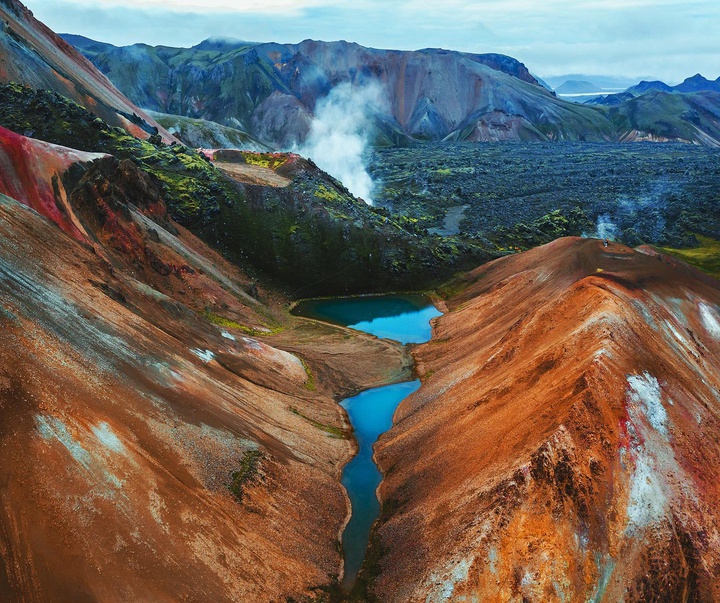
[(604, 82), (270, 93), (696, 83), (653, 110), (683, 121), (588, 91), (577, 87), (271, 90)]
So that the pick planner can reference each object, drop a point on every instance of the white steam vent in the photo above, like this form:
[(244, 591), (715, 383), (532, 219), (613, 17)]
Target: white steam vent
[(339, 135)]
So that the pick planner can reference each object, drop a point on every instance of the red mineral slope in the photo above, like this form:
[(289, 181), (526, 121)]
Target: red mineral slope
[(565, 443), (31, 172), (154, 446), (32, 54)]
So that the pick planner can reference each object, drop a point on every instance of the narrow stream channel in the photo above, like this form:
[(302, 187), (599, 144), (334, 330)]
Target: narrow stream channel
[(404, 318)]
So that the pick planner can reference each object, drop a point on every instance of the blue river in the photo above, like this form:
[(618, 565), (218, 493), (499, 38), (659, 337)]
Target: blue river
[(404, 318)]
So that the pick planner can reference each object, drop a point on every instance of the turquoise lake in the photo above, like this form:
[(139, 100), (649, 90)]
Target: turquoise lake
[(404, 318)]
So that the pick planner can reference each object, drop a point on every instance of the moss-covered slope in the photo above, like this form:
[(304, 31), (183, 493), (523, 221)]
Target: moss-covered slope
[(311, 235)]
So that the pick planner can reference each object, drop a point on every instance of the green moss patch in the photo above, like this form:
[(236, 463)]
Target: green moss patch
[(246, 474), (335, 432), (310, 382), (328, 194), (272, 161), (227, 323), (193, 188), (706, 257)]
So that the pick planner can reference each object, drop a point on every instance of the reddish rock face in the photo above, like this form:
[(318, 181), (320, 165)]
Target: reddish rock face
[(31, 172), (151, 447), (564, 445)]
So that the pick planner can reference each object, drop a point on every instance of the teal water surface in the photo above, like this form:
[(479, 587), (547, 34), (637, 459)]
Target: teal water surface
[(371, 414), (404, 318)]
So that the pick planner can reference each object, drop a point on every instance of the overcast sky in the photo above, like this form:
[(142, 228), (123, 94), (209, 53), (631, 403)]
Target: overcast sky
[(667, 39)]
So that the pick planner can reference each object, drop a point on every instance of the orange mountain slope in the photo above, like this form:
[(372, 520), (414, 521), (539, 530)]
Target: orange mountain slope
[(32, 54), (154, 445), (565, 443)]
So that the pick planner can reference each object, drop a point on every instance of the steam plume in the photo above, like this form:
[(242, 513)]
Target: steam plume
[(605, 228), (644, 214), (339, 135)]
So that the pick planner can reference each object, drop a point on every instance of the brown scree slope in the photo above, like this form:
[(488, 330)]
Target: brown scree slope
[(127, 416), (564, 445)]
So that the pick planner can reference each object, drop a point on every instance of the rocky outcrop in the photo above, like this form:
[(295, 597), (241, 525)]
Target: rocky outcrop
[(564, 444), (202, 134), (167, 432), (33, 172)]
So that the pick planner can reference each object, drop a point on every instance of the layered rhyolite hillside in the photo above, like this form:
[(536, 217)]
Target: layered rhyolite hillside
[(34, 55), (659, 116), (271, 90), (564, 443)]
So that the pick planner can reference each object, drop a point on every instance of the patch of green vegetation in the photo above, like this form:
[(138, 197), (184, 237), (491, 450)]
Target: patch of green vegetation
[(246, 474), (227, 323), (335, 432), (328, 194), (310, 381), (221, 321), (342, 246), (706, 257), (661, 113), (193, 188), (272, 161), (452, 288), (547, 228)]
